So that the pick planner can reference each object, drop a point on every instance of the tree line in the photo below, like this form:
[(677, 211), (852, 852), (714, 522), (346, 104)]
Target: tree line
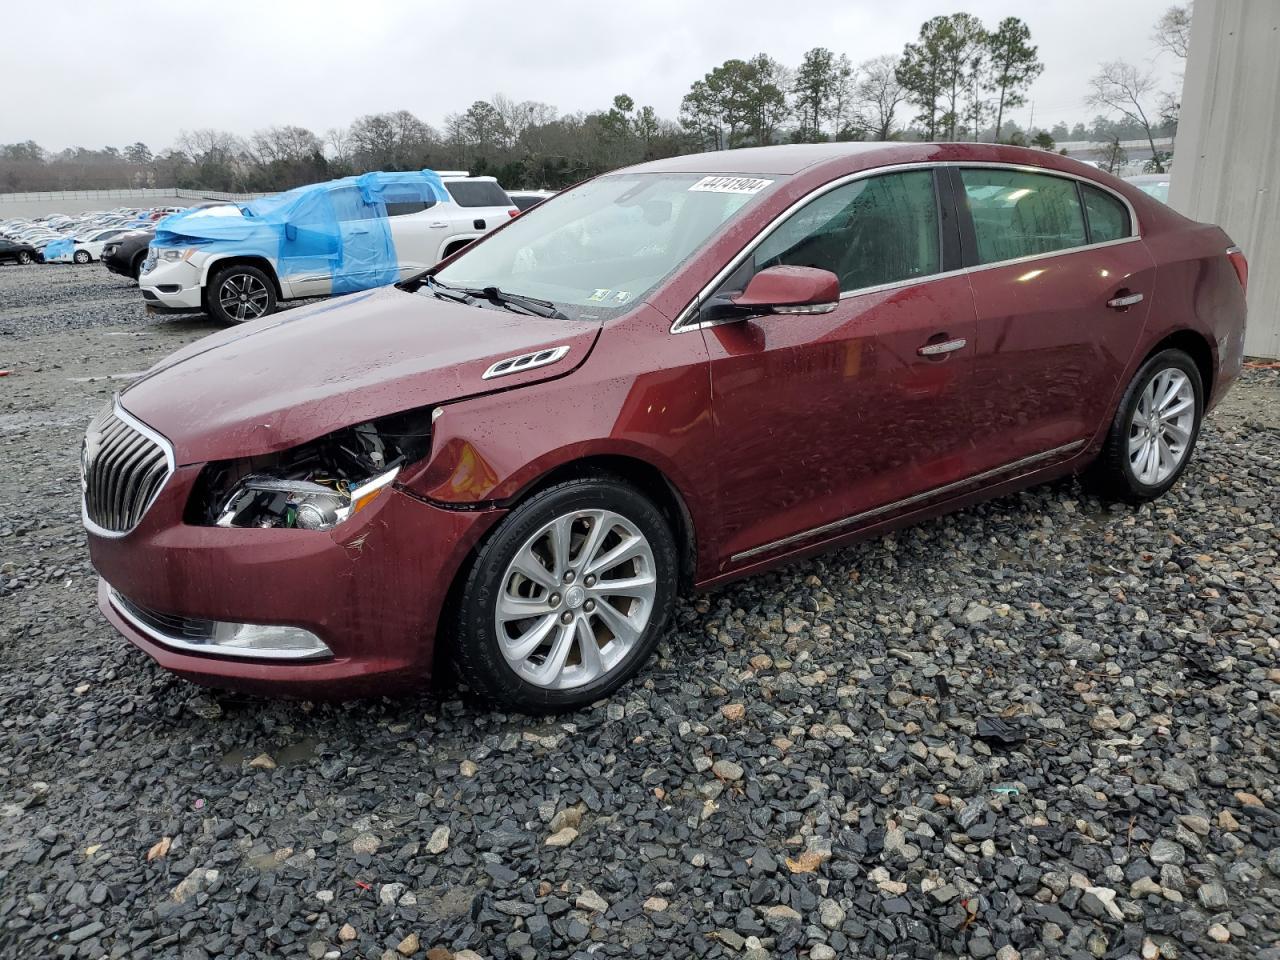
[(958, 80)]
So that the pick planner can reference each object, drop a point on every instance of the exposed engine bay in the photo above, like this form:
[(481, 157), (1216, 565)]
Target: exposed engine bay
[(314, 486)]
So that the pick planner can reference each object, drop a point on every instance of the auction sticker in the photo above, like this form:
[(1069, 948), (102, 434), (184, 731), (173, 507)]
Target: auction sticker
[(730, 185)]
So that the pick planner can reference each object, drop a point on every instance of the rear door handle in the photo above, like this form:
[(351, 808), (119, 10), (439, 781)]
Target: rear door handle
[(945, 347), (1124, 300), (438, 225)]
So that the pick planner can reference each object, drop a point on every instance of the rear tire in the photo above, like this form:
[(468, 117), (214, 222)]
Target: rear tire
[(81, 256), (240, 293), (581, 541), (1154, 430)]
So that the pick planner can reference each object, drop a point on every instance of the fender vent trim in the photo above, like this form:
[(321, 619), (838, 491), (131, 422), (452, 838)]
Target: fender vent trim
[(526, 361)]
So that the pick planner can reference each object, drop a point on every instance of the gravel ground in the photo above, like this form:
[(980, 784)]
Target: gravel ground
[(1043, 727)]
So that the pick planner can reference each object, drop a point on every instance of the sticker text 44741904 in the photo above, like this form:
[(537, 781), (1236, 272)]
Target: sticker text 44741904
[(730, 185)]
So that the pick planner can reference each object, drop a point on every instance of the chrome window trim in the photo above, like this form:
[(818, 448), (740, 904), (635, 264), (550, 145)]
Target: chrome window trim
[(118, 410), (684, 324), (874, 512)]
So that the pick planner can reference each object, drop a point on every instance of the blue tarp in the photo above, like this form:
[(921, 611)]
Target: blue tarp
[(62, 247), (339, 228)]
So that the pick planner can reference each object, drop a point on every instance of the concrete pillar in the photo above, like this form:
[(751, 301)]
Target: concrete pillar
[(1226, 167)]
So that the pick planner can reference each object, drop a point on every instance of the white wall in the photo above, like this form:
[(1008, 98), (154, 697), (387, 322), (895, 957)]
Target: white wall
[(1228, 154)]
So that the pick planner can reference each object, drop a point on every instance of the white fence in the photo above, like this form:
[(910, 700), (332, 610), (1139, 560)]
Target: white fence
[(136, 193)]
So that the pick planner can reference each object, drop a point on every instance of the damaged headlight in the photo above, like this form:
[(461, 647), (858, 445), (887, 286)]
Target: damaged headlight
[(262, 500), (315, 486)]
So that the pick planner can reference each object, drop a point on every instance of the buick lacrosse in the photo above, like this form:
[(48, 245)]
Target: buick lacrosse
[(664, 378)]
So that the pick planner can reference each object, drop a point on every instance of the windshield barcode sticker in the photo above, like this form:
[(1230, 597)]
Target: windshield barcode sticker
[(730, 185)]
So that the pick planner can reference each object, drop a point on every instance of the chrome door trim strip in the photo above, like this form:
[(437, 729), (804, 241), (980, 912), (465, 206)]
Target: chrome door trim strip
[(906, 502), (683, 322)]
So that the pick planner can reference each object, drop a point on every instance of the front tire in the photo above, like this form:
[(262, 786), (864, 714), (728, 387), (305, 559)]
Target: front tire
[(567, 598), (24, 258), (1154, 430), (239, 294)]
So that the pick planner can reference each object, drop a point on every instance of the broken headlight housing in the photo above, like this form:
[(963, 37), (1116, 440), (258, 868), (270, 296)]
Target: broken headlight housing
[(314, 486)]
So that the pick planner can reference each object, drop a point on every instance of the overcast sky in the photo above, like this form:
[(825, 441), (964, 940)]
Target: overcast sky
[(97, 74)]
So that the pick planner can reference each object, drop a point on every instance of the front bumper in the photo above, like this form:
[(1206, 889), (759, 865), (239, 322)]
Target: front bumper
[(173, 286), (371, 589)]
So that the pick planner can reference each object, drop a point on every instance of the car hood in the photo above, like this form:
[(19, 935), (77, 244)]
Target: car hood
[(297, 375)]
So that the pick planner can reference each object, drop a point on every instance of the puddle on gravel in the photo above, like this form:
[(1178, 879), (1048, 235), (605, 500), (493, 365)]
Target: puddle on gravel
[(301, 751)]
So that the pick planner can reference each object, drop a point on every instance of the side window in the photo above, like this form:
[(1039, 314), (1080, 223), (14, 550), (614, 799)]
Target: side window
[(349, 206), (1108, 218), (399, 208), (1017, 214), (868, 232)]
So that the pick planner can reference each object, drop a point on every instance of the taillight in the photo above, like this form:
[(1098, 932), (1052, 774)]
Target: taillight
[(513, 212), (1242, 266)]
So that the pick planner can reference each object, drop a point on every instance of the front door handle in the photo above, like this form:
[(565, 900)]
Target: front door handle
[(943, 348), (438, 225), (1124, 301)]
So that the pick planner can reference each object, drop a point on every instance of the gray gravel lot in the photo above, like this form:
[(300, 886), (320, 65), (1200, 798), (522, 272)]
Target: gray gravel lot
[(806, 770)]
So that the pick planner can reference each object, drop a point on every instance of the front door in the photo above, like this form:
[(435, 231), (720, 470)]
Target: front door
[(1058, 326), (827, 422)]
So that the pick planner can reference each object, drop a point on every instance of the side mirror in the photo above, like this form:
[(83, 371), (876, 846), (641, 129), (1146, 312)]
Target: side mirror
[(790, 290), (290, 232)]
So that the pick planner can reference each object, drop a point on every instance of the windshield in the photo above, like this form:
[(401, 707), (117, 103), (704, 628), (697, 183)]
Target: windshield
[(595, 250)]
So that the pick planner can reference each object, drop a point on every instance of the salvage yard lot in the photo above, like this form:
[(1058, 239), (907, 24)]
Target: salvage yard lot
[(805, 770)]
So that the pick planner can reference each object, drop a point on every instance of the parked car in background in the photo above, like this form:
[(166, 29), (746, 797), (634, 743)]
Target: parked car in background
[(677, 374), (528, 199), (11, 251), (81, 248), (1152, 184), (125, 254), (238, 261)]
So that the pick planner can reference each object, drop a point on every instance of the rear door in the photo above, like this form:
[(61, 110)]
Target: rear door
[(417, 229), (1061, 285)]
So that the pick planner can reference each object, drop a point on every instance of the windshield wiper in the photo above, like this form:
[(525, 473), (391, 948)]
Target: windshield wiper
[(532, 305), (468, 295), (442, 290)]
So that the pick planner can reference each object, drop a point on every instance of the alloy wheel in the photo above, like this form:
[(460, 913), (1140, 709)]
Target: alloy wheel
[(575, 599), (1161, 427), (24, 257), (243, 297)]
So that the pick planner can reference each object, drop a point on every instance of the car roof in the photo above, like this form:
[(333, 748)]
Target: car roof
[(784, 159), (793, 158)]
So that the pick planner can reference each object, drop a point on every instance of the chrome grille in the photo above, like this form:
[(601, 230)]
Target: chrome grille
[(123, 465)]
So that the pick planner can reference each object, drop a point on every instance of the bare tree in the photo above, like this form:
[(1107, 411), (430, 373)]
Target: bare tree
[(878, 95), (1122, 88), (1113, 154), (287, 144), (1173, 30), (338, 140)]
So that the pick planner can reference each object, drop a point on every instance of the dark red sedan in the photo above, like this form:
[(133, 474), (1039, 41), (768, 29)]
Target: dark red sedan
[(664, 378)]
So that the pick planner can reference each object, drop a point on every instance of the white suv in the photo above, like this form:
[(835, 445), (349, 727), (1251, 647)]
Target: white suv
[(243, 280)]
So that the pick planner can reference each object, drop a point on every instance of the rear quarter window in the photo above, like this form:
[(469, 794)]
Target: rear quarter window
[(1108, 218), (477, 193)]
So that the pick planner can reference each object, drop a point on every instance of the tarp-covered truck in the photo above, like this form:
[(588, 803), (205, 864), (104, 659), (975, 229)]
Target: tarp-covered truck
[(237, 261)]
